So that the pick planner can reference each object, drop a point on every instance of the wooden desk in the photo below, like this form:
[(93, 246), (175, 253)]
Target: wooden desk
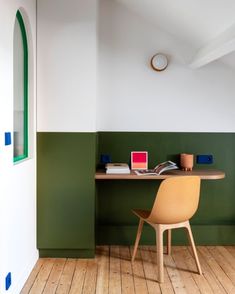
[(204, 174)]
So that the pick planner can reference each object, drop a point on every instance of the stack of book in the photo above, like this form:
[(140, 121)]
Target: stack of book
[(117, 168)]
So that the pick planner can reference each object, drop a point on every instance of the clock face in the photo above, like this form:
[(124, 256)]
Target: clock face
[(159, 62)]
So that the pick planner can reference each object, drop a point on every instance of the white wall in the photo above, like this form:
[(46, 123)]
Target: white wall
[(133, 97), (66, 65), (18, 252)]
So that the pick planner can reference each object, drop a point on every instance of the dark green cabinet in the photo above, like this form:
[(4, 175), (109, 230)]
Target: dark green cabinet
[(65, 193)]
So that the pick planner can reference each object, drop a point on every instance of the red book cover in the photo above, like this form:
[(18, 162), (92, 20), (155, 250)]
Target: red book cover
[(139, 160)]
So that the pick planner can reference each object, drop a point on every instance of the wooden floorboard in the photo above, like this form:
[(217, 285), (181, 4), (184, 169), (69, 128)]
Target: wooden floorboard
[(115, 286), (138, 274), (149, 271), (66, 278), (111, 272), (102, 257), (127, 279)]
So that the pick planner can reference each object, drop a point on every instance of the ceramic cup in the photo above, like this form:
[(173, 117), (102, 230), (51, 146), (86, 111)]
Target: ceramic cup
[(186, 161)]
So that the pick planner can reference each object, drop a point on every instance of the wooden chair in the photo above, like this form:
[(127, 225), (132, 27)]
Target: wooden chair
[(176, 202)]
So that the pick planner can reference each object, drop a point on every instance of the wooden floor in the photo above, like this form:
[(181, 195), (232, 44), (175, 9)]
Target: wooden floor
[(112, 272)]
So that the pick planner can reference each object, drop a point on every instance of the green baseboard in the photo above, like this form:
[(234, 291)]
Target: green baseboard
[(203, 235), (67, 253)]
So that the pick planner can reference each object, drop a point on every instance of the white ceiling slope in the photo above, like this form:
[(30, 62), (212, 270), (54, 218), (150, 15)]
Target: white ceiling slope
[(220, 46), (203, 24)]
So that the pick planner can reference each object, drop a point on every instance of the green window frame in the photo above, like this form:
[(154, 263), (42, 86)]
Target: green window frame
[(24, 152)]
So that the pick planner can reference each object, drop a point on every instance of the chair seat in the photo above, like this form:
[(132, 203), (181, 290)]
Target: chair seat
[(141, 213)]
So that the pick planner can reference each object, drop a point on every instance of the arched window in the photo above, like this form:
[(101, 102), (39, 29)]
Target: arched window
[(20, 64)]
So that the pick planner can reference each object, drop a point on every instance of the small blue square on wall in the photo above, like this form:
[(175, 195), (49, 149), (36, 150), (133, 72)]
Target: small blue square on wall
[(7, 138)]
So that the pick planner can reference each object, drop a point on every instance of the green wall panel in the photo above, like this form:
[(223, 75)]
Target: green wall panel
[(66, 189), (67, 194), (115, 199), (203, 234)]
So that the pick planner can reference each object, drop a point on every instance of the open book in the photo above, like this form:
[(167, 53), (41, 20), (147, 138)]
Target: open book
[(160, 168)]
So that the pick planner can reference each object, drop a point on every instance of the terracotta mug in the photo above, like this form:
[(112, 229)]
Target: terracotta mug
[(186, 161)]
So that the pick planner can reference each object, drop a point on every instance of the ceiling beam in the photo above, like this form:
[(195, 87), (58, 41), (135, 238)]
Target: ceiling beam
[(222, 45)]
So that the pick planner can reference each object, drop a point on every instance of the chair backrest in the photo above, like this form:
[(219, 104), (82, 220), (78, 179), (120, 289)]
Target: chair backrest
[(176, 200)]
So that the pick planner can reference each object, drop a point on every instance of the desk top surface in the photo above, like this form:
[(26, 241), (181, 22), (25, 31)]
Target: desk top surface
[(204, 174)]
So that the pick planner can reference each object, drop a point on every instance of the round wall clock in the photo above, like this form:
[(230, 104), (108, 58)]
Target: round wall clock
[(159, 62)]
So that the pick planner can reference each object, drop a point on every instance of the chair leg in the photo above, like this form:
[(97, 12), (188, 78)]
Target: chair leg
[(159, 235), (168, 248), (193, 247), (140, 227)]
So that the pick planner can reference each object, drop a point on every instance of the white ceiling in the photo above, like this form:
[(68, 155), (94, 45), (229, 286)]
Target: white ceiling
[(196, 22), (229, 60)]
